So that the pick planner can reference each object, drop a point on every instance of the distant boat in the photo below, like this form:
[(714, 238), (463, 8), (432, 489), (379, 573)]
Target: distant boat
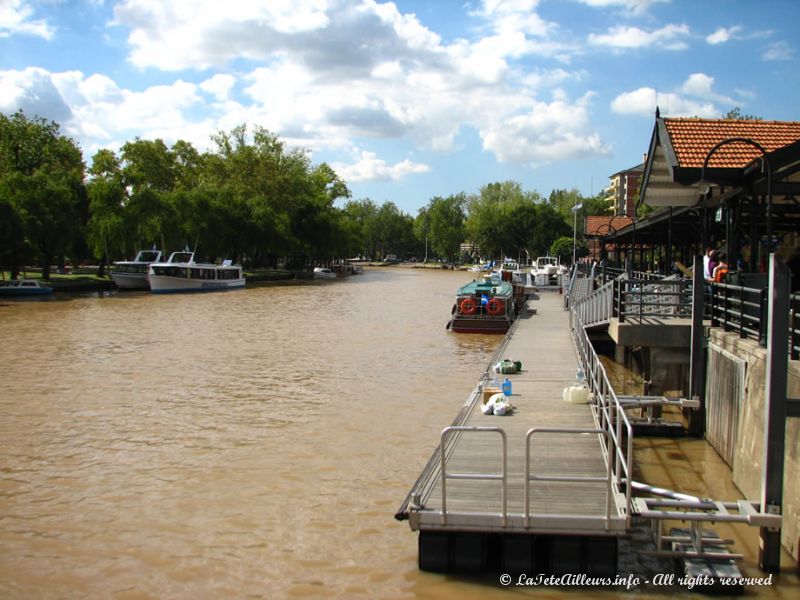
[(484, 307), (323, 273), (181, 274), (132, 274), (548, 271), (23, 287)]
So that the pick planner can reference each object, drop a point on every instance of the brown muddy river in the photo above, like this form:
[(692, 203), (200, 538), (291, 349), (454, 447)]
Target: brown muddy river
[(245, 444)]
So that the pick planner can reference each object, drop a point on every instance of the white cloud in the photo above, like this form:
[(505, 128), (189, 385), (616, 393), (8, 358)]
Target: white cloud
[(669, 37), (507, 17), (636, 7), (219, 86), (643, 101), (326, 76), (371, 168), (15, 20), (723, 34), (33, 91), (778, 51), (548, 132), (701, 86), (694, 97), (97, 112)]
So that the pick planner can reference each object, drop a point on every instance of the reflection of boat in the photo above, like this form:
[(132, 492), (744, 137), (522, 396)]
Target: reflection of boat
[(484, 307), (548, 271), (181, 274), (323, 273), (132, 274), (23, 287)]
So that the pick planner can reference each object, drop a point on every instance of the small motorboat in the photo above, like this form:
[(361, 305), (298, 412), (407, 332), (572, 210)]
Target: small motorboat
[(324, 273), (23, 287), (484, 307)]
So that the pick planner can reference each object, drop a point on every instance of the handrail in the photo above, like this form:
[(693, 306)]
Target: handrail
[(563, 478), (608, 412), (503, 477), (667, 298)]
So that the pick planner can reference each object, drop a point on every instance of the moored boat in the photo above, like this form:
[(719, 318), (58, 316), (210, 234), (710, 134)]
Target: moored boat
[(132, 274), (23, 287), (323, 273), (548, 271), (181, 274), (484, 307)]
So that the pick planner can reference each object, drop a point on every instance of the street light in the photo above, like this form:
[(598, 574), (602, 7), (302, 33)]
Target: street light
[(705, 188), (575, 210)]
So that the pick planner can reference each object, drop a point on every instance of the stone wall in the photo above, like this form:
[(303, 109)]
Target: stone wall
[(749, 453)]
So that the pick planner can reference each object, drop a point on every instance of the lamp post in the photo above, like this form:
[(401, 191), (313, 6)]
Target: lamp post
[(765, 167), (769, 556), (575, 210)]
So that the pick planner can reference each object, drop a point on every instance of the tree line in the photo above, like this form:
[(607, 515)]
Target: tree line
[(248, 198)]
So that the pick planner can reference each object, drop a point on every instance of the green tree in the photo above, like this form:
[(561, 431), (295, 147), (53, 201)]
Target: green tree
[(736, 113), (105, 231), (422, 230), (41, 185), (563, 248), (447, 228)]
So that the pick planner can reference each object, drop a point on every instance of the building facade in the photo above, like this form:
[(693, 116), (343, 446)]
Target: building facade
[(623, 191)]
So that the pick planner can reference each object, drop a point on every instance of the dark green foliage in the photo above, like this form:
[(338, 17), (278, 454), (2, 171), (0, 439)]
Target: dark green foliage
[(41, 192)]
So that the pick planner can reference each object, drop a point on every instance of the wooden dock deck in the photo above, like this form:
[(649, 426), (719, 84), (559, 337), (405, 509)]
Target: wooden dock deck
[(542, 341)]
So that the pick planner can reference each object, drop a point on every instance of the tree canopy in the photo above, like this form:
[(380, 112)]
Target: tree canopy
[(248, 198)]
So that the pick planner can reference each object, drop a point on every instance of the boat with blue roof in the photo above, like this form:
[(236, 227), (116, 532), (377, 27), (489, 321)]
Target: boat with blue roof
[(484, 306)]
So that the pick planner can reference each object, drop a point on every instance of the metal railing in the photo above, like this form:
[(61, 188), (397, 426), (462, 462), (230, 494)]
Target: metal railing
[(667, 298), (625, 299), (738, 309), (502, 477), (794, 326), (597, 307), (745, 311), (565, 478), (608, 412)]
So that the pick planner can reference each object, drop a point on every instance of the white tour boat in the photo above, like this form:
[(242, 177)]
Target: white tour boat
[(132, 274), (181, 274)]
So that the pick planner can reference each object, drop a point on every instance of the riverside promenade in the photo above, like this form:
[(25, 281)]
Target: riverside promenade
[(470, 503)]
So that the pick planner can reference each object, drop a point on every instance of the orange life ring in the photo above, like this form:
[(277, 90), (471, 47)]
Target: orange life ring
[(496, 307), (468, 306)]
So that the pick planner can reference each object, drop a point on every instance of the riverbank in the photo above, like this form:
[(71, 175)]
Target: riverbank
[(87, 280)]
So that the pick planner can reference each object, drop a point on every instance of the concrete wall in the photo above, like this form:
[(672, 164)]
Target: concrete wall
[(748, 456)]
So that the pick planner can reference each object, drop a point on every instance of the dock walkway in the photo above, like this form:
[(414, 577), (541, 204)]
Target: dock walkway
[(541, 340)]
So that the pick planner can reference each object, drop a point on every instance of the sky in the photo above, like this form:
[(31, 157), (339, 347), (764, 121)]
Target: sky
[(406, 100)]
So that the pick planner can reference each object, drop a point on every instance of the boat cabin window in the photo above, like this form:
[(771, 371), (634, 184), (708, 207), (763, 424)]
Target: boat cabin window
[(148, 255)]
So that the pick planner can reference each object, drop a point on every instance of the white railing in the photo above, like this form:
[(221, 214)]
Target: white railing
[(502, 477), (609, 414)]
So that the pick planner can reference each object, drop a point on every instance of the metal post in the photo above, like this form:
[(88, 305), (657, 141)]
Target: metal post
[(697, 367), (769, 552)]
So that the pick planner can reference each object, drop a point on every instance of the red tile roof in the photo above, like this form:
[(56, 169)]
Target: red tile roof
[(691, 140), (603, 225)]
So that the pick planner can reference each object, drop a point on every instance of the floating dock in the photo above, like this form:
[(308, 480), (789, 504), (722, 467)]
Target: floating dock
[(471, 504)]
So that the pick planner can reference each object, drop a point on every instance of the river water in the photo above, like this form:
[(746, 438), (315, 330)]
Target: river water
[(246, 444)]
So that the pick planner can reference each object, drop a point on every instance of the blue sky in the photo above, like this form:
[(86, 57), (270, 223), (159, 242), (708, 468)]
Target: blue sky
[(406, 100)]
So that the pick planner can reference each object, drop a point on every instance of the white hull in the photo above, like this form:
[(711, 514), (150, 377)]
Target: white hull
[(130, 281), (164, 284)]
